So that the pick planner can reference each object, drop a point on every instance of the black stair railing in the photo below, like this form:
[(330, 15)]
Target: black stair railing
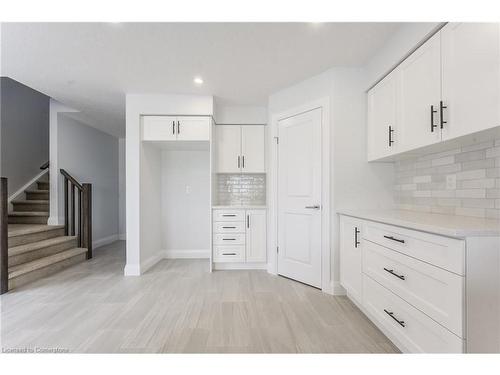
[(4, 246), (78, 211)]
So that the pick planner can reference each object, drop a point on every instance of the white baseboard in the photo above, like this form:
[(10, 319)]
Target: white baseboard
[(55, 220), (337, 289), (104, 241), (239, 266), (132, 270), (26, 186), (148, 263), (187, 254), (122, 236)]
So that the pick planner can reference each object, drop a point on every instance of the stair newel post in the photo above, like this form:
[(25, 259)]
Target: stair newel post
[(4, 245), (79, 218), (66, 208), (72, 209), (87, 218)]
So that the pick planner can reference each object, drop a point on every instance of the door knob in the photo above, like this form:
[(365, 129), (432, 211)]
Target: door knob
[(315, 207)]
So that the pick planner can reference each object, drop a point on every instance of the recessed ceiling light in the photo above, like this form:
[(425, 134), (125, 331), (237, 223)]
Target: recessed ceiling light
[(198, 80)]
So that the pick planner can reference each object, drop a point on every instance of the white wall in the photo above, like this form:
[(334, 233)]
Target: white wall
[(143, 177), (354, 183), (91, 156), (396, 48), (227, 114), (122, 230), (185, 203)]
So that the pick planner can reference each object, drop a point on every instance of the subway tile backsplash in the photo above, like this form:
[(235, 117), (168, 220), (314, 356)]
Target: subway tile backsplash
[(463, 181), (241, 189)]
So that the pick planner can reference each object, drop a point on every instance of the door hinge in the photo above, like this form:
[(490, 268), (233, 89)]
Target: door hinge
[(277, 140), (277, 249)]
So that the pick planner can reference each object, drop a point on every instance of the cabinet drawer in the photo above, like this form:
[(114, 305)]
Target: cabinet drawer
[(415, 331), (229, 227), (229, 239), (444, 252), (434, 291), (229, 215), (229, 254)]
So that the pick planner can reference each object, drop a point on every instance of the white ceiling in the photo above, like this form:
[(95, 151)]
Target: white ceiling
[(92, 66)]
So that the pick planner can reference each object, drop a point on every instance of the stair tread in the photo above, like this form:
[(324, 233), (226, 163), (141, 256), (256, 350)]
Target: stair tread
[(36, 191), (34, 201), (29, 213), (21, 249), (34, 265), (15, 230)]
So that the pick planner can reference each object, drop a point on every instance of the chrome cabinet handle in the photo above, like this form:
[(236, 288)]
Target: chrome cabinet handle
[(432, 118), (394, 274), (441, 110), (248, 221), (391, 141), (243, 161), (228, 227), (391, 314), (356, 242), (178, 127), (394, 239), (228, 253), (239, 162), (315, 207), (173, 127)]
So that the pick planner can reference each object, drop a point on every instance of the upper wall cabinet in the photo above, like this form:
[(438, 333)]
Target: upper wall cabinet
[(176, 128), (447, 88), (382, 121), (470, 77), (240, 148)]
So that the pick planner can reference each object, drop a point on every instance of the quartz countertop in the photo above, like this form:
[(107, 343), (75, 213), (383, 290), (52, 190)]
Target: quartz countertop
[(446, 225), (239, 207)]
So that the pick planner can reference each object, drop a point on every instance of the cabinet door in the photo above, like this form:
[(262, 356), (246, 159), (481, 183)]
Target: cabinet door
[(419, 93), (256, 236), (382, 119), (159, 128), (228, 147), (193, 128), (350, 256), (253, 149), (471, 77)]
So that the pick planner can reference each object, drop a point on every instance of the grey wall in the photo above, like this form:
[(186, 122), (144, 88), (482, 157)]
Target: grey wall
[(24, 132), (91, 156)]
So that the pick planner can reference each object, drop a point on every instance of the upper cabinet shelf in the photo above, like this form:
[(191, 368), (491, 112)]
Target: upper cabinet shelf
[(447, 88), (240, 148), (176, 128)]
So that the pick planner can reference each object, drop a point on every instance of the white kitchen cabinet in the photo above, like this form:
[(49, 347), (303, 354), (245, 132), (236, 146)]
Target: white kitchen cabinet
[(470, 77), (382, 119), (253, 149), (256, 236), (159, 128), (240, 148), (419, 94), (239, 236), (350, 256), (176, 128)]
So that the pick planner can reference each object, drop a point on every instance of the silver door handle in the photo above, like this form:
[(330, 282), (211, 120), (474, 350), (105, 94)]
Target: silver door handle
[(315, 207)]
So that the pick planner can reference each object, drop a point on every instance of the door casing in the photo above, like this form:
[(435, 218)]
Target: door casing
[(272, 265)]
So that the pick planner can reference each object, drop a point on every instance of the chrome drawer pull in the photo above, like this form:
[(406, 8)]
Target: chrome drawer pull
[(228, 253), (394, 274), (394, 239), (229, 215), (228, 227), (229, 239), (391, 314)]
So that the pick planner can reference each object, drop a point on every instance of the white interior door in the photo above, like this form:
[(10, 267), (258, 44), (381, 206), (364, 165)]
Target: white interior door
[(228, 148), (193, 128), (299, 197), (253, 149), (419, 93), (471, 77)]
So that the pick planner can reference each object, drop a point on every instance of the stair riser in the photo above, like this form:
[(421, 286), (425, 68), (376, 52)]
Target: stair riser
[(40, 253), (43, 185), (35, 237), (37, 196), (28, 219), (46, 271), (26, 207)]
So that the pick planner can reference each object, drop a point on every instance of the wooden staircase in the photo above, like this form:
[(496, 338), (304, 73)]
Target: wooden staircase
[(35, 249)]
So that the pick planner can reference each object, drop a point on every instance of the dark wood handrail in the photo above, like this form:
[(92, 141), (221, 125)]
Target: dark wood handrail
[(4, 246), (44, 165), (78, 216)]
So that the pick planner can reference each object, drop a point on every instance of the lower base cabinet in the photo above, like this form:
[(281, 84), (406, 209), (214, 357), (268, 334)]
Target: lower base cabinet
[(428, 293), (239, 236)]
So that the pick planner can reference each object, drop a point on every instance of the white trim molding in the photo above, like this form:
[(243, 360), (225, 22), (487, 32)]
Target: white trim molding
[(132, 270), (240, 266), (26, 186), (326, 253)]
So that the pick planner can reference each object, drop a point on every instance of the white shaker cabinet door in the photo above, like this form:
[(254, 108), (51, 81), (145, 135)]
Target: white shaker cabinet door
[(471, 77), (256, 236), (193, 128), (159, 128), (382, 126), (228, 147), (350, 256), (253, 149), (419, 94)]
